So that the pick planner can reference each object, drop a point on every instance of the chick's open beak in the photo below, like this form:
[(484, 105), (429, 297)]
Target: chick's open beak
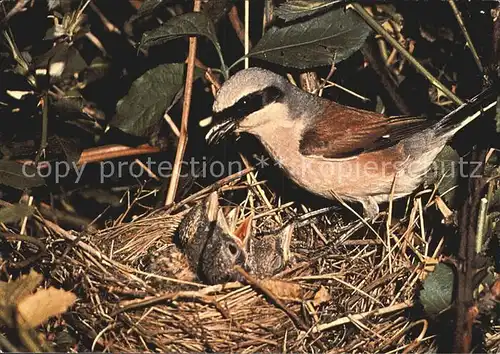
[(220, 130)]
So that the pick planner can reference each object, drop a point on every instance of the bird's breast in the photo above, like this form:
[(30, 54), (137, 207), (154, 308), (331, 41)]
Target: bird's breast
[(368, 174)]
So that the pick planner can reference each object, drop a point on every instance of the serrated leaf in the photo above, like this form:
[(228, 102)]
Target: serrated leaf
[(437, 293), (14, 291), (188, 24), (37, 308), (217, 9), (15, 212), (139, 112), (19, 176), (295, 9), (322, 40), (149, 6)]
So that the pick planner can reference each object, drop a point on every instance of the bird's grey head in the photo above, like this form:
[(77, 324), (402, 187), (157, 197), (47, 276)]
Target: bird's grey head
[(245, 94)]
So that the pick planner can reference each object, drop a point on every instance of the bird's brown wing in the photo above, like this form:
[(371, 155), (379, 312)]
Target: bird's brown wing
[(341, 132)]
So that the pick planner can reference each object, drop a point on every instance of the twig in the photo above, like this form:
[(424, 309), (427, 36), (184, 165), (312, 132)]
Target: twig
[(247, 33), (373, 56), (297, 321), (203, 294), (19, 7), (213, 187), (181, 148), (171, 123), (468, 218), (238, 26), (360, 316), (103, 153), (481, 224), (6, 345), (268, 14), (10, 237), (466, 34), (345, 89), (45, 127), (109, 26), (377, 27)]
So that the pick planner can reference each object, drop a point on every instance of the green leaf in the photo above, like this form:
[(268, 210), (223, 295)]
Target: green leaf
[(217, 9), (149, 6), (322, 40), (15, 212), (294, 9), (188, 24), (437, 294), (19, 176), (445, 170), (140, 111)]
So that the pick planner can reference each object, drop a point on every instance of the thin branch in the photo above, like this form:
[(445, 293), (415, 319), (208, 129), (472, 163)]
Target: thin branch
[(361, 316), (378, 28), (103, 153), (107, 23), (466, 34), (19, 7), (238, 26), (181, 148), (247, 33), (45, 127)]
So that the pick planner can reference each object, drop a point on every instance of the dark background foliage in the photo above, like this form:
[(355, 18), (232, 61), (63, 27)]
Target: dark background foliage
[(103, 79)]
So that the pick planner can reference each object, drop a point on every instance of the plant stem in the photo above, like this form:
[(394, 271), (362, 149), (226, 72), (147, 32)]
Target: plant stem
[(247, 33), (466, 34), (45, 127), (183, 139), (378, 28)]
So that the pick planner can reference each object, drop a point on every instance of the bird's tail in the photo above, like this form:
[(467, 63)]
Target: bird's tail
[(483, 102)]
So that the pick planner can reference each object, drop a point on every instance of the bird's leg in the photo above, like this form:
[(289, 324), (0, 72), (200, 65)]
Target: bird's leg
[(370, 207)]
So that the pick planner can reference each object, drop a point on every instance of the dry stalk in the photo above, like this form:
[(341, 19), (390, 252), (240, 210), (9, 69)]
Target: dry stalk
[(181, 148)]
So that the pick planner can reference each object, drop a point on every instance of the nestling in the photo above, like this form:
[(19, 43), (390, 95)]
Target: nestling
[(331, 149), (269, 254), (211, 249)]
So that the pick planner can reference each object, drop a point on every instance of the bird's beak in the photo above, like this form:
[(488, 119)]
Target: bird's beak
[(221, 129), (244, 231)]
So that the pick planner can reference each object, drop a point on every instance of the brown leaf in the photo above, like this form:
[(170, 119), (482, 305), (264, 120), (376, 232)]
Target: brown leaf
[(283, 289), (322, 296), (14, 291), (39, 307)]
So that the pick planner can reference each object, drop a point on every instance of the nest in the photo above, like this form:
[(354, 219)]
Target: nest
[(347, 288)]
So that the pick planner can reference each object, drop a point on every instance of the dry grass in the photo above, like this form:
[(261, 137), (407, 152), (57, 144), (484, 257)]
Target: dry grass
[(353, 293), (356, 292)]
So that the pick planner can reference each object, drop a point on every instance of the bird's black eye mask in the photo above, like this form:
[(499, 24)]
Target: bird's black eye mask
[(249, 104)]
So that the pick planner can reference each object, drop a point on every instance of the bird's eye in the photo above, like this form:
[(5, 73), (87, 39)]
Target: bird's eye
[(233, 249)]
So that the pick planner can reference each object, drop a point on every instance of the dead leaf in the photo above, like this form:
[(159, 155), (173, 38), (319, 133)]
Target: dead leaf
[(37, 308), (14, 291), (322, 296), (283, 289)]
